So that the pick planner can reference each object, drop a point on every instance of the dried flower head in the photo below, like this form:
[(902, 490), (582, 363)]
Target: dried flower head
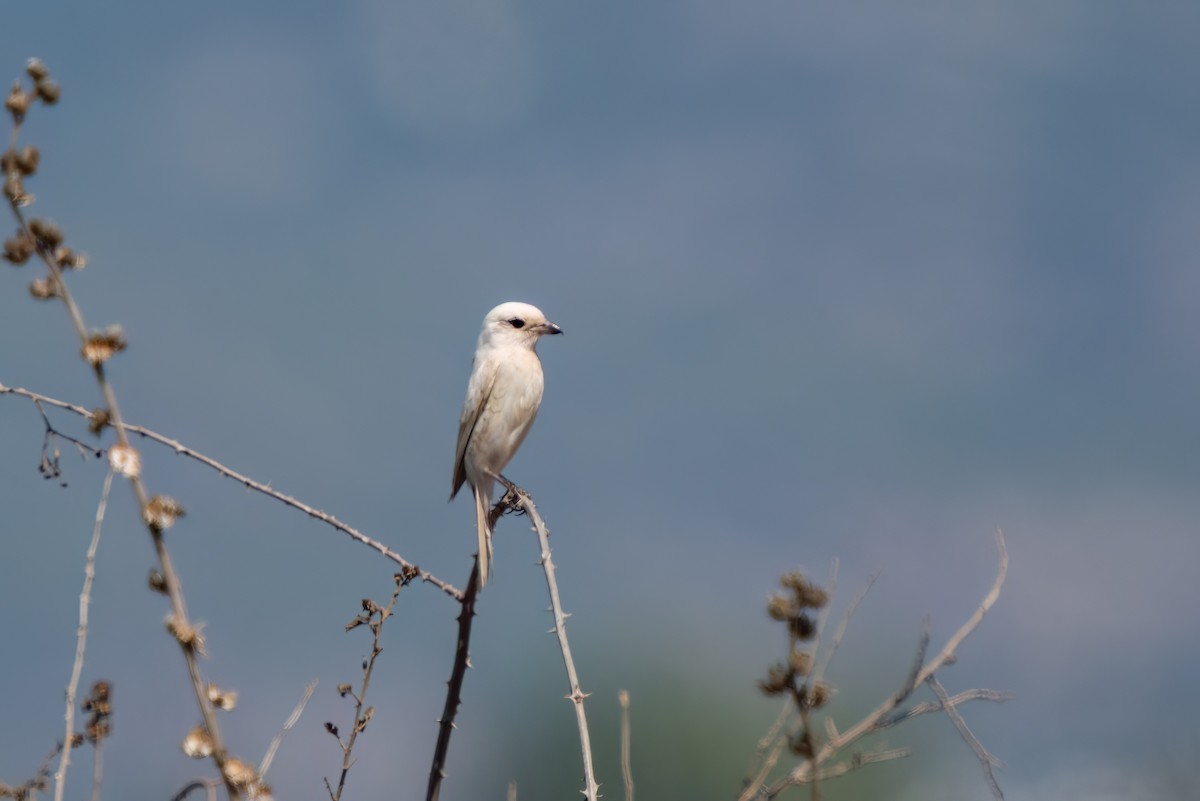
[(46, 232), (125, 460), (18, 248), (807, 594), (68, 259), (800, 662), (344, 690), (778, 680), (818, 694), (260, 791), (222, 699), (197, 743), (43, 289), (26, 161), (99, 421), (780, 607), (48, 91), (157, 582), (14, 190), (36, 69), (190, 637), (802, 627), (239, 773), (103, 345), (17, 102), (161, 512)]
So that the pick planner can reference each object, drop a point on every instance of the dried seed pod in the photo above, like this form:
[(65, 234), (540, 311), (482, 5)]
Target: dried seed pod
[(37, 70)]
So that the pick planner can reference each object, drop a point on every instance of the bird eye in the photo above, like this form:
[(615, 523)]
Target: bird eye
[(517, 322)]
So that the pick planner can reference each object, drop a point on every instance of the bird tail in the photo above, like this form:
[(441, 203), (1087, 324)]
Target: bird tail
[(483, 508)]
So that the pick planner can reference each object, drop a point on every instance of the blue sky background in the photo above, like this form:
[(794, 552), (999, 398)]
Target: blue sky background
[(860, 280)]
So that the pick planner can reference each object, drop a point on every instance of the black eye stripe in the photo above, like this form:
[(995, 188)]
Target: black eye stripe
[(517, 322)]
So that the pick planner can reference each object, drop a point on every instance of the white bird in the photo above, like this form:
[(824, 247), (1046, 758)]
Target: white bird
[(503, 397)]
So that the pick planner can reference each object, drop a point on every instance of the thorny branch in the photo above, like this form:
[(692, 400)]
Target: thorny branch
[(462, 661), (576, 696)]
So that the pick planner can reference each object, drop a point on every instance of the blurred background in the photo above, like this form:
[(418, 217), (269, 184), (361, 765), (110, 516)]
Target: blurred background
[(852, 281)]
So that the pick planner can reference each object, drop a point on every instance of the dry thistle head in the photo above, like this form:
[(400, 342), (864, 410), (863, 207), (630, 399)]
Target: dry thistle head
[(17, 102), (260, 791), (777, 682), (800, 662), (68, 259), (344, 690), (161, 512), (27, 160), (18, 248), (99, 421), (239, 773), (37, 70), (48, 91), (190, 637), (157, 582), (46, 232), (103, 345), (197, 743), (125, 460), (43, 289), (222, 699), (806, 594), (99, 704)]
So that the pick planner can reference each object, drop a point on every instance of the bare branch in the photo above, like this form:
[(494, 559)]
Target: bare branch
[(985, 758), (265, 765), (249, 483), (85, 600), (462, 660)]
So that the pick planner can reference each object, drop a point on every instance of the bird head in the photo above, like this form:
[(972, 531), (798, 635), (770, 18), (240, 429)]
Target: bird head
[(515, 322)]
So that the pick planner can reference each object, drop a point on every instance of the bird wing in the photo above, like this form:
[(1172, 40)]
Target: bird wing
[(479, 390)]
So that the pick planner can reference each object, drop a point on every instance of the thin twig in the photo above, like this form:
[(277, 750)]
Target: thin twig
[(865, 758), (626, 762), (85, 600), (928, 707), (249, 483), (985, 758), (823, 665), (462, 661), (775, 739), (199, 784), (374, 617), (265, 765), (576, 696)]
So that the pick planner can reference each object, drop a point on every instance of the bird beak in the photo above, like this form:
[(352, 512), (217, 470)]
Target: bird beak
[(547, 328)]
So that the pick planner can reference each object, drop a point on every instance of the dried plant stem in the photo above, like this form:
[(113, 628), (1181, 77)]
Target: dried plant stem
[(277, 740), (462, 660), (576, 696), (373, 616), (85, 600), (249, 483), (626, 762), (166, 568), (985, 757)]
